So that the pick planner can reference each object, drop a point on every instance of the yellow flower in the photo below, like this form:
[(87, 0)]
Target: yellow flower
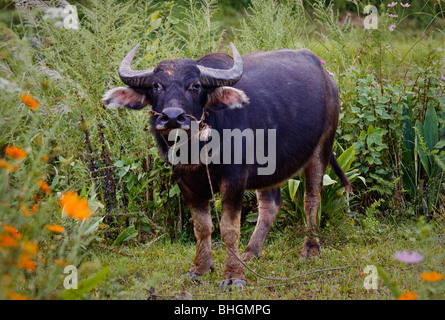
[(44, 186), (431, 276), (408, 296), (30, 248), (55, 228), (74, 206), (29, 101), (15, 152)]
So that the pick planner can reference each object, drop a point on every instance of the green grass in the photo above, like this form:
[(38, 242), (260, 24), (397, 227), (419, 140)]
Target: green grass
[(160, 268)]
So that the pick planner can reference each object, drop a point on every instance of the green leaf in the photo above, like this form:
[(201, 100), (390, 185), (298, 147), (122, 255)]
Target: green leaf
[(125, 235), (440, 144), (174, 191), (346, 158), (85, 285), (119, 164), (395, 291), (431, 128), (327, 181), (421, 148), (293, 187)]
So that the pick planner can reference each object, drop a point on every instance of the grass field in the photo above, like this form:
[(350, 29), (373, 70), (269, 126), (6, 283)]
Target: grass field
[(158, 269)]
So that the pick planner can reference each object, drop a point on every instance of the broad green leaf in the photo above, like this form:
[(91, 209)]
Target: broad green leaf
[(389, 283), (293, 187), (421, 148), (119, 164), (431, 128), (346, 158), (440, 144), (125, 235), (327, 181), (174, 191)]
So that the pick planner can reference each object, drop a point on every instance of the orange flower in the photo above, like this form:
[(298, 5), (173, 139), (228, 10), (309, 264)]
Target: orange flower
[(44, 186), (55, 228), (6, 241), (25, 262), (408, 296), (45, 158), (431, 276), (12, 231), (74, 206), (30, 248), (15, 152), (25, 211), (16, 296), (29, 101), (61, 262), (7, 166), (34, 208)]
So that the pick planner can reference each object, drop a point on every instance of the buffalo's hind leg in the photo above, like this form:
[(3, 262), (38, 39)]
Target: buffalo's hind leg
[(269, 202), (202, 225), (314, 171)]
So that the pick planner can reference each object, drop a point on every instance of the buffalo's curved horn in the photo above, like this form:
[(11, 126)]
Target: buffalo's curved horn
[(134, 78), (221, 77)]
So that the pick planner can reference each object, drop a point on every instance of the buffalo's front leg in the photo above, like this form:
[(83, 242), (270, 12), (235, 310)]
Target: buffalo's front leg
[(232, 197), (202, 225), (269, 202)]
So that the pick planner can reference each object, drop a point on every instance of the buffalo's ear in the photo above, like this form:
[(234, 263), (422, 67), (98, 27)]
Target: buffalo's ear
[(125, 97), (226, 97)]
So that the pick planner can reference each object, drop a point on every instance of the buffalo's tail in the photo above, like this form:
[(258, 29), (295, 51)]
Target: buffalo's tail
[(340, 174)]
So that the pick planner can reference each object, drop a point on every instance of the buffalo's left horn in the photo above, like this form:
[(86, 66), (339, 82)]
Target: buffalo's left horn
[(222, 77), (134, 78)]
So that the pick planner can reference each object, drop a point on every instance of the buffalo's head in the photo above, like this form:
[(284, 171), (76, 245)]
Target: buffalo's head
[(178, 90)]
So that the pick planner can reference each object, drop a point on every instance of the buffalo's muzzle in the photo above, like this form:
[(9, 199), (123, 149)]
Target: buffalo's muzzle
[(172, 118)]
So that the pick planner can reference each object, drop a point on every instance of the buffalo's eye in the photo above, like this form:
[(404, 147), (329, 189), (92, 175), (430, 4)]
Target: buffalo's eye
[(195, 86), (157, 87)]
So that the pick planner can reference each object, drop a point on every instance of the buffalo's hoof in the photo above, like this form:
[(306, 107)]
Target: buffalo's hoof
[(193, 277), (237, 283), (224, 284), (311, 248), (248, 256)]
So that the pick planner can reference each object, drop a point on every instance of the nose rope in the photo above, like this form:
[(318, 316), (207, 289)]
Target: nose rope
[(203, 127)]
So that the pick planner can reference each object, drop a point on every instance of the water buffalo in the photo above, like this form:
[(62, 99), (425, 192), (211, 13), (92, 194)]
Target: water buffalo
[(285, 92)]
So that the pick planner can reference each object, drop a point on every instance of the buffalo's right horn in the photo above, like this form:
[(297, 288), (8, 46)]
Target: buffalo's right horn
[(134, 78), (223, 77)]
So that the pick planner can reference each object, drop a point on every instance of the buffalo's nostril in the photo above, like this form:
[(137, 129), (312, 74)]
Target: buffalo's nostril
[(172, 117)]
